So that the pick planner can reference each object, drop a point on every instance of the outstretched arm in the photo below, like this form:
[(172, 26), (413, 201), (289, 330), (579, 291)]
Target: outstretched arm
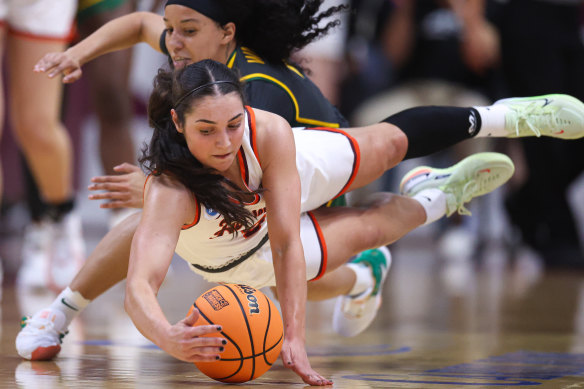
[(282, 194), (118, 34), (167, 203)]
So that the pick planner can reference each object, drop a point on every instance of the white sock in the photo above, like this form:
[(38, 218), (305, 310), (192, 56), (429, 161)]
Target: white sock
[(70, 303), (492, 121), (364, 278), (434, 203)]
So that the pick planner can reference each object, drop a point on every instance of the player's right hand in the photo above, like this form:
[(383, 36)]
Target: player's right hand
[(184, 340), (63, 63), (121, 191)]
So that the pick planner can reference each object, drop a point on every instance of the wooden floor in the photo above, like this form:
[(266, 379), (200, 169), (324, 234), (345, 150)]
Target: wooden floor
[(489, 322)]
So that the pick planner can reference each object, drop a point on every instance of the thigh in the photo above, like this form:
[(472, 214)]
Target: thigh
[(33, 96), (381, 147)]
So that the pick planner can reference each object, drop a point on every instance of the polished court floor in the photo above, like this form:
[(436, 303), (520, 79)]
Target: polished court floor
[(488, 322)]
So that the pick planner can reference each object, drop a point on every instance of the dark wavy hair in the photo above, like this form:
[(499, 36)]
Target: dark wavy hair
[(168, 152), (275, 29)]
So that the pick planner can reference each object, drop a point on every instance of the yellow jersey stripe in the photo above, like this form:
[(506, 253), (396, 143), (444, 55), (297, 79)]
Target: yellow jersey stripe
[(299, 119)]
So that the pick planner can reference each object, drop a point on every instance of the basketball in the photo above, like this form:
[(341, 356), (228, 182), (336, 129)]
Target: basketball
[(250, 323)]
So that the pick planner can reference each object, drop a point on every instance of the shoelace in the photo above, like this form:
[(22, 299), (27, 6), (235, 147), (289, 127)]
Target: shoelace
[(468, 191), (534, 116)]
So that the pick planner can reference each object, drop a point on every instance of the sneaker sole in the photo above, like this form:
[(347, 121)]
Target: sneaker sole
[(571, 111), (45, 353), (489, 170)]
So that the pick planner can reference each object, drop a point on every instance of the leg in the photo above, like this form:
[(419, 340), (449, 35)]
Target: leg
[(348, 231), (35, 104), (108, 263), (111, 97), (2, 40), (53, 249), (105, 267), (421, 131)]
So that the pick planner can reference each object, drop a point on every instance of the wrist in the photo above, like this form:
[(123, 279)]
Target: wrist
[(74, 55)]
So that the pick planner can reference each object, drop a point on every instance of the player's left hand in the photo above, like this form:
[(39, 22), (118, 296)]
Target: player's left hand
[(294, 357)]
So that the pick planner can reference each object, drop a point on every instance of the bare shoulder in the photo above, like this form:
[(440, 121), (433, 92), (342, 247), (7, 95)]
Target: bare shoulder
[(167, 186), (270, 127)]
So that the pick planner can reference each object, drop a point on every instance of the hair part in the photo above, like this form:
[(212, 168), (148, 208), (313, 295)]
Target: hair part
[(168, 151)]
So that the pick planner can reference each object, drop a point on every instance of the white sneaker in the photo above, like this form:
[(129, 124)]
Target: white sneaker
[(68, 251), (353, 314), (52, 253), (557, 116), (41, 336), (36, 250)]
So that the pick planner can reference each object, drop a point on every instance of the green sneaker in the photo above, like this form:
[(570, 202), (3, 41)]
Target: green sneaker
[(558, 116), (472, 177), (353, 314)]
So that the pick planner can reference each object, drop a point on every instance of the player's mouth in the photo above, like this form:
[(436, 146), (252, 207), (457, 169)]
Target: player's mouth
[(222, 156), (180, 62)]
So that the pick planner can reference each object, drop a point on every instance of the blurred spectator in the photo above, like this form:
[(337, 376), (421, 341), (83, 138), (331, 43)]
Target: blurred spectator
[(543, 53), (425, 52), (110, 91), (324, 57), (53, 247)]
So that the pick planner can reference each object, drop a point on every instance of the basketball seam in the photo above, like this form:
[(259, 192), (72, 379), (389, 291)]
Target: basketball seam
[(232, 342), (253, 362), (267, 329)]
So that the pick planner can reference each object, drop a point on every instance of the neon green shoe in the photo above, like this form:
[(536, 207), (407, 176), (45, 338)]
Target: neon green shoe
[(558, 116), (472, 177)]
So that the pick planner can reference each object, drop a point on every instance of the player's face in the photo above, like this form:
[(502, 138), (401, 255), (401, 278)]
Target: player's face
[(214, 129), (192, 37)]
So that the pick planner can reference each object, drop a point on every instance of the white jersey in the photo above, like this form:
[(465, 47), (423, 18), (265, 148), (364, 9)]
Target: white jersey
[(209, 241), (327, 161)]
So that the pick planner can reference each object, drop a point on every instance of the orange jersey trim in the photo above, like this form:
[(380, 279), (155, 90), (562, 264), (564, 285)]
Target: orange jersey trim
[(323, 249), (245, 177), (356, 151), (197, 206), (45, 38), (253, 132), (197, 215)]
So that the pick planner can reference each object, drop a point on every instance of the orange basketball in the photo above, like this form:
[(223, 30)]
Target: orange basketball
[(250, 323)]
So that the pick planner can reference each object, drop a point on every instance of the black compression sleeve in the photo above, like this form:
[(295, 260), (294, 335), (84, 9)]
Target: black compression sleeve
[(433, 128)]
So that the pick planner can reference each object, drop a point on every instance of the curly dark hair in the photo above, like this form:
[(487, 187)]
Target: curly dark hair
[(168, 152), (275, 29)]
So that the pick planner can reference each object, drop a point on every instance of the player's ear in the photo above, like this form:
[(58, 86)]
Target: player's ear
[(176, 122), (228, 33)]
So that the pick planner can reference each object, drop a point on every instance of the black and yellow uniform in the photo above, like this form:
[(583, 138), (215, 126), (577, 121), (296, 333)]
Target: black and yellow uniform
[(282, 89)]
